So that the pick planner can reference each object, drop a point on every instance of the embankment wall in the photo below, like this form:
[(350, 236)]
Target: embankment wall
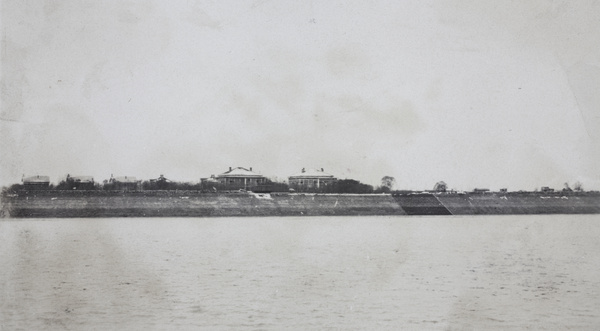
[(193, 204), (196, 204), (520, 203)]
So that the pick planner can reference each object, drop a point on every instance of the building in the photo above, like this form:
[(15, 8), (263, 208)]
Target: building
[(481, 190), (311, 180), (210, 183), (160, 183), (546, 189), (80, 182), (239, 178), (126, 183), (36, 182)]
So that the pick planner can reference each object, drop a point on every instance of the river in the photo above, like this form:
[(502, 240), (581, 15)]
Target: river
[(350, 273)]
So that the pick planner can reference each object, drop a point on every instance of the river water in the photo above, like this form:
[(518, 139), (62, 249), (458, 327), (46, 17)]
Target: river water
[(351, 273)]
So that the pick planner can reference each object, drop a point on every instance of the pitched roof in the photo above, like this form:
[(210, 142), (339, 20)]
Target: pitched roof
[(239, 172), (36, 179), (312, 173), (125, 179), (82, 179)]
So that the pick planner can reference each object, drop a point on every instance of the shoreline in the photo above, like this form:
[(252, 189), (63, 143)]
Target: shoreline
[(96, 204)]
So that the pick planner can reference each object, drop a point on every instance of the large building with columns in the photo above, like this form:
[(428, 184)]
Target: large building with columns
[(311, 180), (240, 178)]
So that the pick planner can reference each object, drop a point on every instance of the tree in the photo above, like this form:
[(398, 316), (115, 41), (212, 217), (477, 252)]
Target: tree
[(387, 183), (578, 187), (63, 185), (350, 186), (440, 187)]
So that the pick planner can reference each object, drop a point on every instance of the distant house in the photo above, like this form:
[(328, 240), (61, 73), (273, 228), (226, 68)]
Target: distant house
[(239, 178), (127, 183), (36, 182), (311, 180), (80, 182), (481, 190), (546, 189), (160, 183), (209, 183)]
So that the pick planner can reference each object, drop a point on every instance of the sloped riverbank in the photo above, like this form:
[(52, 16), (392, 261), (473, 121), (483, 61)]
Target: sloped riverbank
[(60, 204)]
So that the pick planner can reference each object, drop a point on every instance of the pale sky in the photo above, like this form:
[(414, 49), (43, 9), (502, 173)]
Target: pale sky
[(485, 94)]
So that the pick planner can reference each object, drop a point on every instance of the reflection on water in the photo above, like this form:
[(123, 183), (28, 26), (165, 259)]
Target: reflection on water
[(447, 273)]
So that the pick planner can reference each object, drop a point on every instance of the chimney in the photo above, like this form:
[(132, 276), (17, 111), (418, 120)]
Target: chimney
[(250, 168), (303, 170), (322, 170), (229, 168)]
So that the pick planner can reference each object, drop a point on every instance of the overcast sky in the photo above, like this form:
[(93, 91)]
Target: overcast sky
[(476, 93)]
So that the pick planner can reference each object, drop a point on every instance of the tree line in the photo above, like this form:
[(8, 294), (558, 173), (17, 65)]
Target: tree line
[(162, 183)]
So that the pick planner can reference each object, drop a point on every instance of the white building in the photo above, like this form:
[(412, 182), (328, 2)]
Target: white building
[(311, 180)]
